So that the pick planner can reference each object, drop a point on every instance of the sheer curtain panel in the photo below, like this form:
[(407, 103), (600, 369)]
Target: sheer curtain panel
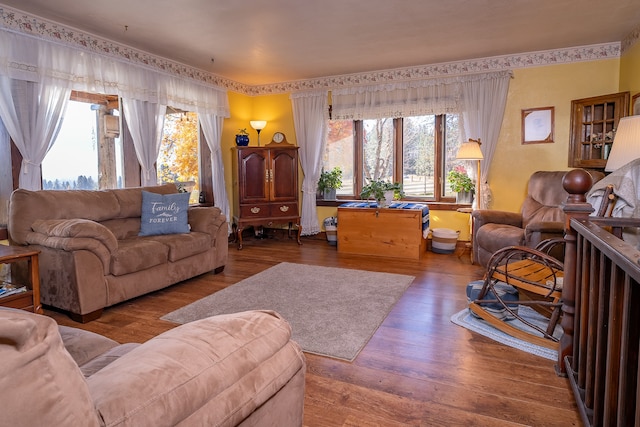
[(32, 114), (484, 101), (212, 129), (310, 115), (145, 120)]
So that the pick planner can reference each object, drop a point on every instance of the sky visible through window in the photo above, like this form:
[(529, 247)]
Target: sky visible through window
[(75, 151)]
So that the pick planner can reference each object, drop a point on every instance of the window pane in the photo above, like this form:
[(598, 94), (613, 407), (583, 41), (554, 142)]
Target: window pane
[(339, 152), (72, 161), (418, 157), (378, 150), (178, 160), (452, 143)]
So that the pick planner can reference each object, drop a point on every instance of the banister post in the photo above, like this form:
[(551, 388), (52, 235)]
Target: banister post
[(577, 183)]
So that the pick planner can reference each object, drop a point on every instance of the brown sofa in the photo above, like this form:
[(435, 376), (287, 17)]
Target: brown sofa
[(237, 369), (91, 254)]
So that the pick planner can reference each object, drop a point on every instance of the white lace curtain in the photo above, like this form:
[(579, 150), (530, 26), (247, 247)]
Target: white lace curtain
[(145, 121), (212, 129), (32, 114), (310, 114), (51, 70), (484, 101), (479, 98)]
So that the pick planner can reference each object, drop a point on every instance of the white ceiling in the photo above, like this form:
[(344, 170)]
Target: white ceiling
[(261, 42)]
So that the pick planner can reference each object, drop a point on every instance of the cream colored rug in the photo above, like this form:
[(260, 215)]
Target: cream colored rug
[(332, 311)]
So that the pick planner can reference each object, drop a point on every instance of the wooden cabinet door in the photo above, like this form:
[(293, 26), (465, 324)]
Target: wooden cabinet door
[(284, 174), (253, 167), (593, 124)]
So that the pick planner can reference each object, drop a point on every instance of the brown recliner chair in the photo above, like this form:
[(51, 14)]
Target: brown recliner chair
[(541, 218)]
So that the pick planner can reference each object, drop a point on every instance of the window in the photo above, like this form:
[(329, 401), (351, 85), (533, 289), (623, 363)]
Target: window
[(339, 152), (417, 151), (178, 160), (85, 155)]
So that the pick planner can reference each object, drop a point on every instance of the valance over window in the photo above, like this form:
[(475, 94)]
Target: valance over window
[(37, 76), (27, 58), (439, 95)]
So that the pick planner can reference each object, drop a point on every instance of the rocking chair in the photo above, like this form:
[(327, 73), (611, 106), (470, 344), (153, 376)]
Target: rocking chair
[(535, 277), (519, 275)]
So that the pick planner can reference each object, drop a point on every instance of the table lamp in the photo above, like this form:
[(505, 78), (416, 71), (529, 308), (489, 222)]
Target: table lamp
[(258, 125), (626, 143)]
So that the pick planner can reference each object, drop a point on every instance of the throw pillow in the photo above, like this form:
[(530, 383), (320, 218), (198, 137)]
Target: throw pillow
[(164, 213)]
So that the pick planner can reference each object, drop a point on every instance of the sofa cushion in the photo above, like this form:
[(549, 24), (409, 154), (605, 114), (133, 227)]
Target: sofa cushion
[(137, 254), (104, 359), (164, 213), (130, 199), (27, 206), (84, 346), (76, 227), (41, 383), (123, 228), (223, 366), (184, 245)]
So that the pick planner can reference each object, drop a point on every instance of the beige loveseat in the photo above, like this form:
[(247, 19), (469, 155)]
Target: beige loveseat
[(237, 369), (91, 254)]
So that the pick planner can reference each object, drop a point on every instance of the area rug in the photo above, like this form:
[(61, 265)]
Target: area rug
[(332, 311), (466, 320)]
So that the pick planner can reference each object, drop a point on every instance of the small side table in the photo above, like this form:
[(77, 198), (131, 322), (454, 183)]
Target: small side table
[(469, 245), (29, 300)]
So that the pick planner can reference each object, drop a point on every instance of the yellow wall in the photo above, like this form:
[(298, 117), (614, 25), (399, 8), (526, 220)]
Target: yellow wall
[(551, 86), (630, 70), (513, 162)]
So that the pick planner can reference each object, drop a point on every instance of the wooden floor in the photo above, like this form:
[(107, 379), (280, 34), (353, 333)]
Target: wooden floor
[(419, 369)]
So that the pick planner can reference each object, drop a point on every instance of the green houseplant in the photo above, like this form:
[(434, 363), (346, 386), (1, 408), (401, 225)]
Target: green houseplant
[(329, 182), (460, 182), (380, 190)]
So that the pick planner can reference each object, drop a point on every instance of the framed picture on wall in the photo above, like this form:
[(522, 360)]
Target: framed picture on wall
[(635, 104), (537, 125)]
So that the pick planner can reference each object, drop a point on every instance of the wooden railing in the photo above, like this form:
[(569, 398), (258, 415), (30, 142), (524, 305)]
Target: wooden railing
[(601, 318)]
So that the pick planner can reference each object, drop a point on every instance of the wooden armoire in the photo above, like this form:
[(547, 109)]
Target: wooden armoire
[(265, 187)]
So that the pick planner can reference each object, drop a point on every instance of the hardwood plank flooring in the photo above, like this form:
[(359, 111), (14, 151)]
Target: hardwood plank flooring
[(419, 369)]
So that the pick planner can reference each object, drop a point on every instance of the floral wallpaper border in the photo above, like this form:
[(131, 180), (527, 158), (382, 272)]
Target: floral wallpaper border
[(18, 21)]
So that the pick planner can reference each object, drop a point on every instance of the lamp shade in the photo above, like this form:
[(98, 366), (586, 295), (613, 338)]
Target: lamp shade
[(626, 143), (470, 150), (258, 124)]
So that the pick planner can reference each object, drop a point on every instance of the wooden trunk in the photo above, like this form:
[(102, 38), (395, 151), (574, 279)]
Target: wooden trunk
[(381, 232)]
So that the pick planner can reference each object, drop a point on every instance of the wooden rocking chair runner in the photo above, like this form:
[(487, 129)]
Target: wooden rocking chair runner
[(537, 277)]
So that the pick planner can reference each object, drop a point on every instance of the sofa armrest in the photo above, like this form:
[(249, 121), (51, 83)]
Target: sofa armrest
[(486, 216), (75, 234), (221, 368), (206, 219)]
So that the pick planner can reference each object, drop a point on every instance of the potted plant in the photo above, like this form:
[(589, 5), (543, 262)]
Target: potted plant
[(382, 192), (242, 137), (460, 182), (329, 182)]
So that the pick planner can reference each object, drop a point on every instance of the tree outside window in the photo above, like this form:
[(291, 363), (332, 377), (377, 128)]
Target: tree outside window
[(178, 161)]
